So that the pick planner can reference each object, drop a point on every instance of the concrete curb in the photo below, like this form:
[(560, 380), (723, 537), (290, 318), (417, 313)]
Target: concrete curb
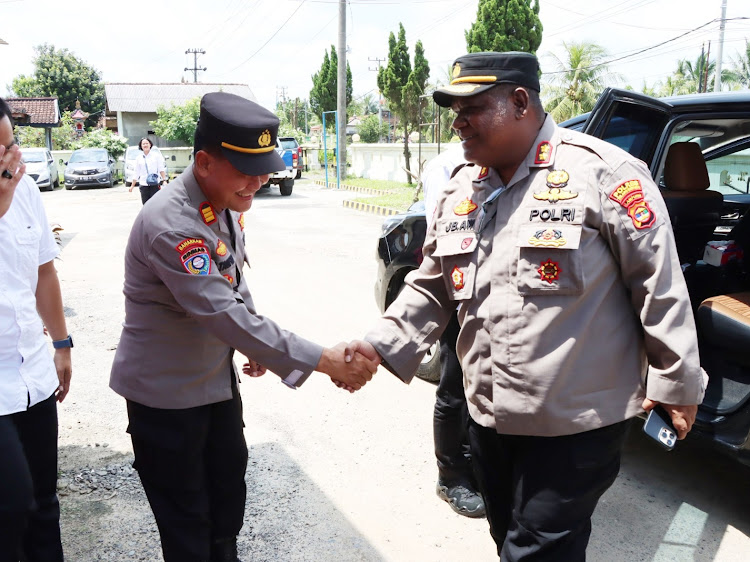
[(368, 190), (368, 208)]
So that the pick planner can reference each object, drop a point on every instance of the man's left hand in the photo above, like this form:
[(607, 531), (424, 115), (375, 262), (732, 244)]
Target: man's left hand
[(683, 417), (253, 368), (64, 372)]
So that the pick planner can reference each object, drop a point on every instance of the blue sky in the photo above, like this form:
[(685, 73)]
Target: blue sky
[(274, 44)]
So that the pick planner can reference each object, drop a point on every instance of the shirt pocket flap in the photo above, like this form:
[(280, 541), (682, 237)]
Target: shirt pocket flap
[(455, 244)]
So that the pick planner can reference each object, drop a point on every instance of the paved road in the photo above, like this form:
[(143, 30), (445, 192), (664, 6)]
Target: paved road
[(334, 476)]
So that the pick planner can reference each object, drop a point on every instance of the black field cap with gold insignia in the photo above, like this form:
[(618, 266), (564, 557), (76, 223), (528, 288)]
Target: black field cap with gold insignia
[(245, 132), (475, 73)]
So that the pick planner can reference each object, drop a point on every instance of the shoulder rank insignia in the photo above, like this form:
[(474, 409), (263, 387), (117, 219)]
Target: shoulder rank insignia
[(557, 180), (483, 173), (465, 207), (457, 277), (241, 221), (548, 238), (194, 256), (549, 271), (207, 213), (630, 196), (543, 153), (221, 248)]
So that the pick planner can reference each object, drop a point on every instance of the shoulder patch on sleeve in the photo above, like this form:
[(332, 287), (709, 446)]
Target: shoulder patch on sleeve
[(629, 194)]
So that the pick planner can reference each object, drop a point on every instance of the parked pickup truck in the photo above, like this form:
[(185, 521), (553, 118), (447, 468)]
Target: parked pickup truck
[(285, 178)]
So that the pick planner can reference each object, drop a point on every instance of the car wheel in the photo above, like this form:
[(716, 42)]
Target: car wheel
[(57, 183), (429, 368), (285, 187), (299, 174)]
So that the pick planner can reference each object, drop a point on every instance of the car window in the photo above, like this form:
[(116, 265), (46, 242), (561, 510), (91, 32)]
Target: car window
[(288, 144), (730, 172), (635, 128), (33, 156), (89, 156), (131, 153)]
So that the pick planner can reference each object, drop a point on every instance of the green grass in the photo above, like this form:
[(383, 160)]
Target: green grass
[(401, 194), (400, 199)]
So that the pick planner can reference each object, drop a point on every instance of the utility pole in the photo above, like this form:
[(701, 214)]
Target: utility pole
[(341, 93), (717, 82), (380, 94), (283, 90), (195, 69)]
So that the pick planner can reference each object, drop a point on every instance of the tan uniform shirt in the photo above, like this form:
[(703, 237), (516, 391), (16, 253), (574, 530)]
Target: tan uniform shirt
[(569, 296), (187, 306)]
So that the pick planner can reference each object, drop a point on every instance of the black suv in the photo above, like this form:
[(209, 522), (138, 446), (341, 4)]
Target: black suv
[(719, 124)]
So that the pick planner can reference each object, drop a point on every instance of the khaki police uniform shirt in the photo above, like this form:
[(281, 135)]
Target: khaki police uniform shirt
[(187, 306), (569, 296)]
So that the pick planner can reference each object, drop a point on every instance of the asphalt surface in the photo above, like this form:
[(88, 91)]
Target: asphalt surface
[(331, 476)]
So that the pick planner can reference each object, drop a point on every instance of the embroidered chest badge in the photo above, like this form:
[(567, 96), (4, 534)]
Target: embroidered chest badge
[(483, 173), (543, 153), (207, 213), (466, 242), (548, 238), (457, 277), (230, 279), (241, 221), (557, 180), (194, 256), (630, 196), (465, 207), (549, 271), (221, 248)]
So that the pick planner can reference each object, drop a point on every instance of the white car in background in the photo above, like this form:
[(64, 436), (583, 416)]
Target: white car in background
[(41, 167), (131, 154)]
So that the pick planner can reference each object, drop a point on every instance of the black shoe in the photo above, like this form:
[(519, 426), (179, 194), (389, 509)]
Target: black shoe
[(224, 550), (462, 499)]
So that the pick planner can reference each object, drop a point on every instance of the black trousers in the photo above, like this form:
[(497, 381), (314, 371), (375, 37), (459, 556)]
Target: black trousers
[(29, 509), (147, 192), (540, 492), (192, 466), (451, 414)]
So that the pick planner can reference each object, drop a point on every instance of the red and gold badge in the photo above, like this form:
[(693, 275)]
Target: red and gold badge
[(230, 279), (457, 276), (549, 271), (221, 248), (466, 242), (241, 221), (207, 213), (483, 173), (543, 153), (629, 195), (465, 207)]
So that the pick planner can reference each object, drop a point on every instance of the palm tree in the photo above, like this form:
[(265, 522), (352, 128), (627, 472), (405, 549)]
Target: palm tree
[(576, 83), (740, 71)]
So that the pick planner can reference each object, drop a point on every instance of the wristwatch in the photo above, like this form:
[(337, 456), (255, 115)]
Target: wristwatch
[(62, 344)]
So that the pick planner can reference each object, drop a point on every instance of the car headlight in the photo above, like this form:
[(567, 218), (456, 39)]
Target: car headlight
[(101, 170), (43, 175), (390, 224)]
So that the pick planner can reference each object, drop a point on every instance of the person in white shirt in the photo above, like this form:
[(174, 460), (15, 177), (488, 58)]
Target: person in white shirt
[(31, 382), (456, 484), (147, 164)]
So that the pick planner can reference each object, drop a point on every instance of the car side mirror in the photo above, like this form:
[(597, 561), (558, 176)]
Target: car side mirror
[(63, 163)]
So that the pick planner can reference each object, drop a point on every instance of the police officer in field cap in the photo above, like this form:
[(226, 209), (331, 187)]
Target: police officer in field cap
[(573, 310), (187, 309)]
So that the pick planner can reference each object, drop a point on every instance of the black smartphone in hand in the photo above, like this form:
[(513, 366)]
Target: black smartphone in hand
[(659, 427)]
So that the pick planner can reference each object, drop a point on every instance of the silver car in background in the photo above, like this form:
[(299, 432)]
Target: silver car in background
[(90, 167), (41, 167)]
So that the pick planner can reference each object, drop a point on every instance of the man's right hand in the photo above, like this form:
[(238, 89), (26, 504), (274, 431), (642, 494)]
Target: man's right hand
[(10, 161), (350, 375)]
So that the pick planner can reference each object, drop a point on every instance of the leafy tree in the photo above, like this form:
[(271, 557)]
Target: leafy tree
[(366, 105), (578, 80), (505, 25), (59, 73), (402, 86), (291, 114), (372, 130), (178, 122), (104, 138), (324, 93), (740, 70), (63, 137)]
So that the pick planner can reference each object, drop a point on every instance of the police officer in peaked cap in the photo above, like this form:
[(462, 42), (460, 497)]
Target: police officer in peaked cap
[(573, 308), (187, 309)]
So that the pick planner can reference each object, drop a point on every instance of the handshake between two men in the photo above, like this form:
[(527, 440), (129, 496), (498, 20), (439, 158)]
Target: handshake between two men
[(350, 366)]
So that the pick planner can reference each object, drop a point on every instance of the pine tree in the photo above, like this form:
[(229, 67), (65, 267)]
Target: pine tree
[(505, 25), (325, 83), (402, 86)]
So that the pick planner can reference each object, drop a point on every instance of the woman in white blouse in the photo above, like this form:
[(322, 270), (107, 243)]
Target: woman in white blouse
[(149, 163)]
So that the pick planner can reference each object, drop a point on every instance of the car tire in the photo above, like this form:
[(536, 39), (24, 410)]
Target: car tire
[(286, 186), (57, 183), (299, 174)]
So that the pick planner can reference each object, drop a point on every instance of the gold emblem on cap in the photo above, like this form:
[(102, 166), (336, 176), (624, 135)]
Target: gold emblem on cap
[(456, 70), (265, 138)]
